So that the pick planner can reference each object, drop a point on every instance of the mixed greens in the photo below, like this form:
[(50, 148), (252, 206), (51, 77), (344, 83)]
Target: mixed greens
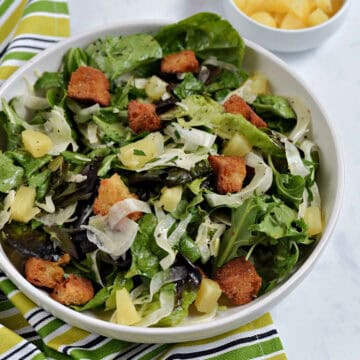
[(58, 150)]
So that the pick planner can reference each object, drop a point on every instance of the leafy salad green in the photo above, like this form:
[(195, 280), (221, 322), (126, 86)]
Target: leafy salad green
[(154, 248)]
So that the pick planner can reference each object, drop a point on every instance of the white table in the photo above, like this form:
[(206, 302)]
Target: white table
[(320, 320)]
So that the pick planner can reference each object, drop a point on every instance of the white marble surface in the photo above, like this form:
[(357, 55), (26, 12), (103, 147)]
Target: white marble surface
[(320, 320)]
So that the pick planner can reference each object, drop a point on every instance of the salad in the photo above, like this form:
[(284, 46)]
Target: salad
[(152, 178)]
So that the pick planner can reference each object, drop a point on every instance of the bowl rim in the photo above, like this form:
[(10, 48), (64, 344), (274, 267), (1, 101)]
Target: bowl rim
[(249, 311), (338, 14)]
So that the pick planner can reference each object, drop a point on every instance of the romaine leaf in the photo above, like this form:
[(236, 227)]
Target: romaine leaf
[(181, 311), (119, 55), (11, 176), (189, 86), (276, 111), (144, 260), (74, 58), (49, 80), (206, 34)]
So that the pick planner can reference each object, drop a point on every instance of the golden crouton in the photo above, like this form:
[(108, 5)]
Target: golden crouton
[(181, 62), (236, 105), (111, 191), (143, 117), (239, 281), (89, 84), (230, 172), (74, 290), (43, 273)]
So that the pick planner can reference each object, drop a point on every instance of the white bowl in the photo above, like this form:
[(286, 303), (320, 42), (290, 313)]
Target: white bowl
[(284, 40), (283, 81)]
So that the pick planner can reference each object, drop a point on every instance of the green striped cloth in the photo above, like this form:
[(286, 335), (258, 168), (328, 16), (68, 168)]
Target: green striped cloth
[(28, 331)]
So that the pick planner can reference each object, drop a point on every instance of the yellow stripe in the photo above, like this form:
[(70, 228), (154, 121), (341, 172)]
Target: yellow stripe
[(8, 25), (278, 357), (44, 25), (23, 303), (11, 339), (14, 322), (259, 323), (6, 71), (68, 337)]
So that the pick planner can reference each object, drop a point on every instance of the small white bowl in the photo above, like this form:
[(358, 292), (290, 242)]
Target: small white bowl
[(331, 178), (284, 40)]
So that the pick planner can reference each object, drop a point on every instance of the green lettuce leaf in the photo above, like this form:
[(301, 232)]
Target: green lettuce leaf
[(189, 86), (145, 261), (276, 111), (205, 33), (181, 311), (120, 55), (11, 176)]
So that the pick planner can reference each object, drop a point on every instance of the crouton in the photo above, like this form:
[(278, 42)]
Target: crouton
[(230, 172), (111, 191), (74, 290), (43, 273), (239, 281), (89, 84), (181, 62), (143, 117), (236, 105)]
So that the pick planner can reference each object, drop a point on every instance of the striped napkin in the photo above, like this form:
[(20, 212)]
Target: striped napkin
[(28, 331)]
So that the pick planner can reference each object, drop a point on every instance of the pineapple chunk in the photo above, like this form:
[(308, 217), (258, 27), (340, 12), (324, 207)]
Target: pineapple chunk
[(277, 6), (299, 8), (336, 5), (291, 22), (137, 154), (278, 17), (237, 146), (255, 5), (22, 208), (313, 220), (241, 4), (170, 197), (207, 296), (126, 313), (325, 5), (264, 18), (259, 84), (317, 17), (36, 143), (155, 88)]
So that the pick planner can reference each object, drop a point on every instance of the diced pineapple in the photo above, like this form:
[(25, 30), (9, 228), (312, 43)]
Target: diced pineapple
[(317, 17), (126, 313), (277, 6), (325, 5), (237, 146), (137, 154), (299, 8), (313, 220), (259, 84), (291, 22), (22, 208), (254, 6), (336, 5), (278, 17), (207, 296), (36, 143), (264, 18), (170, 197), (155, 88), (241, 4)]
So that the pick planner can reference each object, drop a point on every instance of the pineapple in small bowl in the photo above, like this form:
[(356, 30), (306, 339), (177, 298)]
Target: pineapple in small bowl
[(287, 25)]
